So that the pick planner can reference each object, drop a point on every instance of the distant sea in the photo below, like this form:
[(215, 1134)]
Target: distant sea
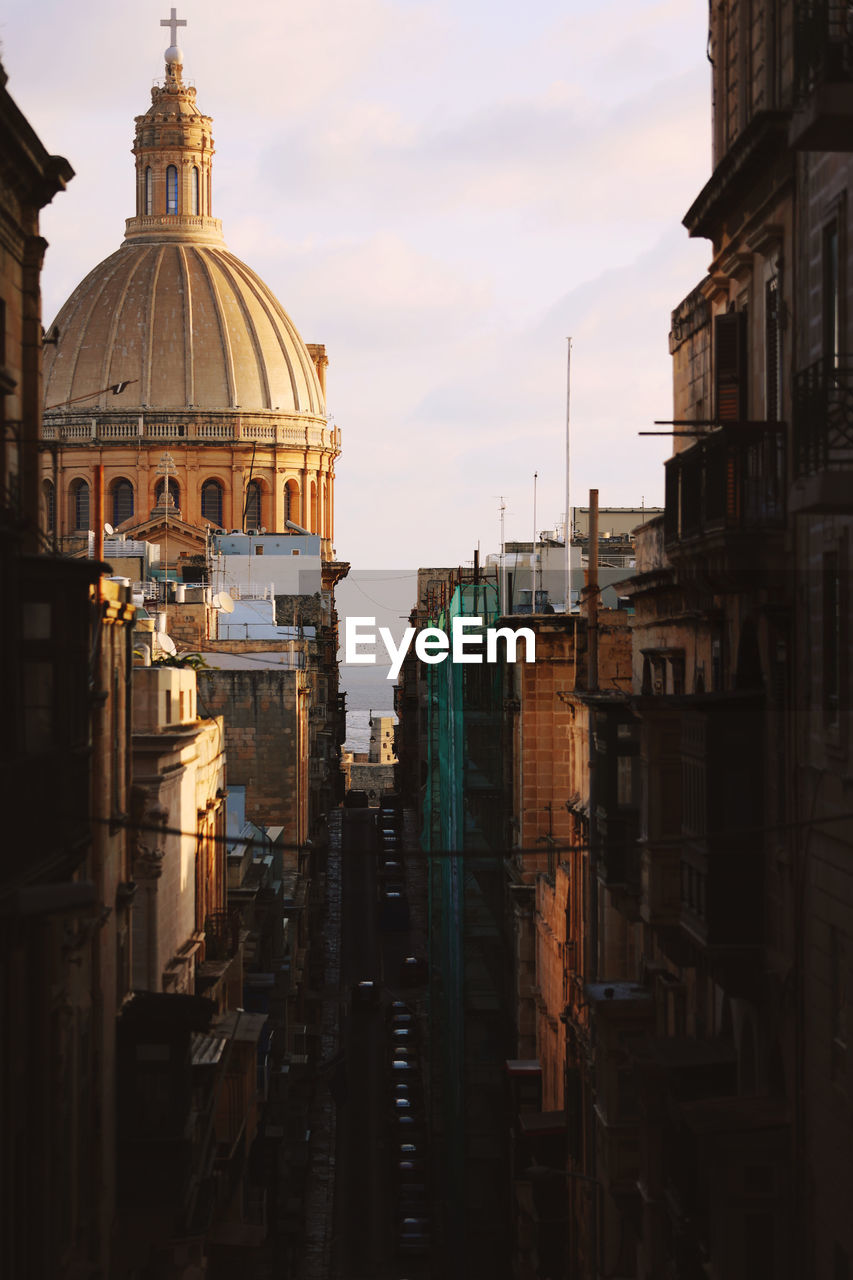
[(367, 690)]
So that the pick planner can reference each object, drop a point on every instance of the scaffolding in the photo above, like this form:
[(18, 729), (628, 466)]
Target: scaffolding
[(463, 836)]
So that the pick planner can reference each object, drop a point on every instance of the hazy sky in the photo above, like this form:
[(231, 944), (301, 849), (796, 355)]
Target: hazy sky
[(441, 191)]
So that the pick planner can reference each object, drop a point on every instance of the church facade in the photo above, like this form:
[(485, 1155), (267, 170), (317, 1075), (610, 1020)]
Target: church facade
[(174, 368)]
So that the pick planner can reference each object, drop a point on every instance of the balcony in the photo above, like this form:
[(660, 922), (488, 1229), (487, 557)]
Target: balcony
[(722, 864), (722, 492), (823, 77), (823, 435)]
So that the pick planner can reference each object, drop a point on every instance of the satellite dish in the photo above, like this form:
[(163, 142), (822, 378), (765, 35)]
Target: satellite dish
[(109, 530), (166, 642), (223, 601)]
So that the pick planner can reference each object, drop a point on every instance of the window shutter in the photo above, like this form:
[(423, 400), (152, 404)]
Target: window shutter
[(730, 352)]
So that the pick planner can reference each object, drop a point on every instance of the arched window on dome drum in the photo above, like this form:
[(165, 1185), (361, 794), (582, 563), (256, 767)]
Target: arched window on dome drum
[(49, 497), (211, 502), (252, 517), (195, 189), (79, 495), (174, 493), (314, 526), (121, 493), (149, 192), (171, 189)]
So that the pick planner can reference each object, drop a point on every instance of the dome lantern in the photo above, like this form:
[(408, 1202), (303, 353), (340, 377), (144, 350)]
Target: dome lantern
[(173, 146)]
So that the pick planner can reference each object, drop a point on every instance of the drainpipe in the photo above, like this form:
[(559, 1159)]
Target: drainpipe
[(98, 550)]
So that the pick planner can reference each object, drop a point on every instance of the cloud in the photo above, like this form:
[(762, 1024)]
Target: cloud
[(439, 191)]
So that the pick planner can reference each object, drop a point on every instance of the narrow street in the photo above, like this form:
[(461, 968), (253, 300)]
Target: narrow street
[(373, 1194)]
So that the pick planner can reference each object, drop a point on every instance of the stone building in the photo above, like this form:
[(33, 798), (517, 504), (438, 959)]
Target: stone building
[(175, 367), (740, 913), (381, 746), (179, 784), (65, 889)]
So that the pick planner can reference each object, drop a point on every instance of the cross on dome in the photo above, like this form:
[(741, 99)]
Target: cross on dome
[(173, 22)]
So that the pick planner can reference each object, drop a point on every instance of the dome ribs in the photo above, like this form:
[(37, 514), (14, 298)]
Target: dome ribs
[(83, 295), (226, 265), (147, 363), (190, 326), (224, 336), (276, 312), (109, 345), (189, 346)]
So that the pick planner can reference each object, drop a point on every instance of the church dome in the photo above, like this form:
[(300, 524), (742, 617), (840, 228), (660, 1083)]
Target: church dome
[(186, 325), (172, 313)]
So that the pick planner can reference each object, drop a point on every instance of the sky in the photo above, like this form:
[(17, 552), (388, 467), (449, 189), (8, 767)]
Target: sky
[(442, 192)]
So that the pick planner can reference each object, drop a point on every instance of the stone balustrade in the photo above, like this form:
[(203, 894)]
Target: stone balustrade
[(308, 435)]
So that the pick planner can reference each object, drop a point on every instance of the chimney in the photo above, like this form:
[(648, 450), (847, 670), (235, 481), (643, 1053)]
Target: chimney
[(592, 591)]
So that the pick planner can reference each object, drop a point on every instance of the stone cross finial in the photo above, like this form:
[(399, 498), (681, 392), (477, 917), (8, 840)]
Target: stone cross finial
[(174, 22)]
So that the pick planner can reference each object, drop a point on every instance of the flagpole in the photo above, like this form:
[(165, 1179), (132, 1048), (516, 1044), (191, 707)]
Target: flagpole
[(568, 531)]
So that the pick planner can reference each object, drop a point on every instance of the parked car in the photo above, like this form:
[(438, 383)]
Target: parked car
[(356, 799), (414, 971)]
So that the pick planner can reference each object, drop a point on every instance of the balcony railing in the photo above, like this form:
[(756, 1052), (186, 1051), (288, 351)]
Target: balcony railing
[(731, 479), (823, 44), (823, 416)]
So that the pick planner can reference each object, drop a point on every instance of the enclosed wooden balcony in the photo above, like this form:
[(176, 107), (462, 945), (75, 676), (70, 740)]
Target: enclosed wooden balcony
[(722, 862)]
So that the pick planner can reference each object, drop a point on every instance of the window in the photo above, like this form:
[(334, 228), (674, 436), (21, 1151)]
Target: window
[(49, 498), (772, 362), (291, 501), (80, 504), (252, 512), (625, 772), (211, 502), (832, 639), (171, 189), (195, 190), (730, 354), (122, 501), (831, 294), (174, 494), (38, 700), (149, 192)]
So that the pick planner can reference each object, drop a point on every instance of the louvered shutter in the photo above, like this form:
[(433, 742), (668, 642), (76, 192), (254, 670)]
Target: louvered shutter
[(730, 354)]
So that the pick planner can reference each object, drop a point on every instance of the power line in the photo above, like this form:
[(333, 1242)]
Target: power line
[(473, 854)]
